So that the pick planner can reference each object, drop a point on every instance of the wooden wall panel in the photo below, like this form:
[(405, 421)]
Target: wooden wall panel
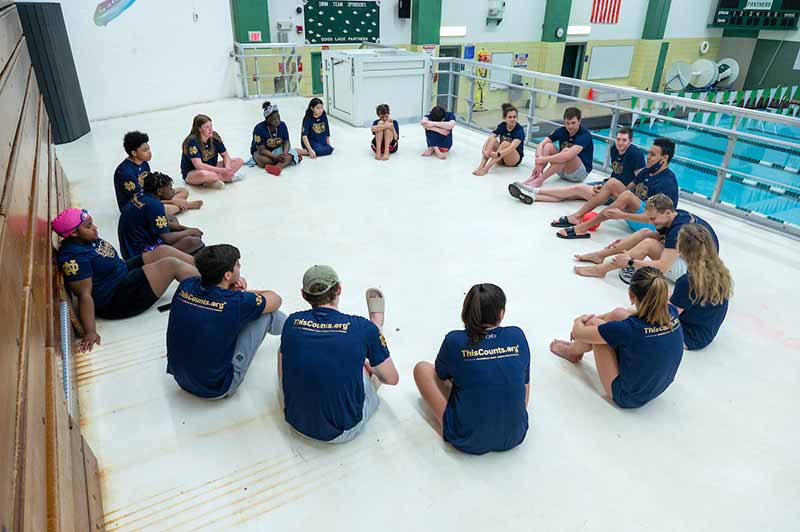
[(10, 34), (79, 477), (13, 84)]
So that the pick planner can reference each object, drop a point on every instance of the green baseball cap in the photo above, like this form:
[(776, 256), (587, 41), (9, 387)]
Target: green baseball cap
[(321, 275)]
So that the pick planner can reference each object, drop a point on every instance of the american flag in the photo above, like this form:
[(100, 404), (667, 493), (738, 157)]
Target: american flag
[(605, 11)]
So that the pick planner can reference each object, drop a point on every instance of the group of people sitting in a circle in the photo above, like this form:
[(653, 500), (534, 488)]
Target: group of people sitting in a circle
[(330, 364)]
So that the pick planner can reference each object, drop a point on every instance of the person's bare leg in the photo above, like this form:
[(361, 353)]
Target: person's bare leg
[(615, 248), (202, 178), (428, 152), (607, 363), (492, 160), (161, 273), (538, 168), (171, 209), (439, 153), (389, 136), (511, 159), (649, 247), (261, 160), (162, 252), (554, 168), (612, 188), (181, 199), (626, 202), (490, 145), (235, 164), (433, 390), (573, 192), (379, 143), (572, 351)]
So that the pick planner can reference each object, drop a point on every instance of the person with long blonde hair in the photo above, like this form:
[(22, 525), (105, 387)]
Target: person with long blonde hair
[(637, 352), (200, 160), (701, 295)]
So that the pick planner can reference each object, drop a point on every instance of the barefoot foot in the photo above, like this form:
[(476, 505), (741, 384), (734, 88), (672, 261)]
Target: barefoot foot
[(590, 257), (428, 152), (565, 350), (590, 271)]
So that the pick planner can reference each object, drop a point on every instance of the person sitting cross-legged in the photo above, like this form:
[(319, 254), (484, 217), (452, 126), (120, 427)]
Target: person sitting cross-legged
[(216, 325), (657, 178), (645, 247), (330, 363), (144, 225)]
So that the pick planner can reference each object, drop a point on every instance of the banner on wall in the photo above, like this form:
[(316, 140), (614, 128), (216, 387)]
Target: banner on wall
[(605, 11), (109, 10), (345, 21), (520, 60)]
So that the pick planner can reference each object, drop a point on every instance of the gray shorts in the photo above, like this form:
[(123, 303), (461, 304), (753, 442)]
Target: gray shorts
[(677, 270), (371, 403), (249, 340), (292, 152), (576, 176)]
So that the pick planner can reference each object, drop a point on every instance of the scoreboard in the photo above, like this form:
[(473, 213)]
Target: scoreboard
[(757, 14)]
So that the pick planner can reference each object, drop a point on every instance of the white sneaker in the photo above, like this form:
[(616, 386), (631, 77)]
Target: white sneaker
[(528, 188), (238, 176)]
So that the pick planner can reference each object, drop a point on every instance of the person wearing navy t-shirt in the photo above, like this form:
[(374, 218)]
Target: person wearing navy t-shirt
[(315, 135), (144, 225), (129, 175), (645, 247), (626, 159), (656, 178), (637, 354), (438, 126), (385, 134), (479, 385), (270, 146), (106, 285), (505, 145), (330, 363), (216, 325), (701, 295), (201, 153)]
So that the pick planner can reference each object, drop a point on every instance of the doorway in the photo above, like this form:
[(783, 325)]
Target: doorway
[(316, 73), (443, 86), (572, 67)]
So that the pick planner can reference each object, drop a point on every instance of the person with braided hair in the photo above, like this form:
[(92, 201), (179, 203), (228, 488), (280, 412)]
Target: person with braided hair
[(637, 352), (701, 295), (479, 386), (144, 225)]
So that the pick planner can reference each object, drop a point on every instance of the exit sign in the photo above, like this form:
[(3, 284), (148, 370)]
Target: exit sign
[(254, 36)]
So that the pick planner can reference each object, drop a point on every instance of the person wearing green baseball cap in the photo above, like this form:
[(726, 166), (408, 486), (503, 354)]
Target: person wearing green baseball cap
[(331, 363)]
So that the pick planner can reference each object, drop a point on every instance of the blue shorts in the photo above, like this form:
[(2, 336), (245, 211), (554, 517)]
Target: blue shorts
[(635, 226), (621, 398)]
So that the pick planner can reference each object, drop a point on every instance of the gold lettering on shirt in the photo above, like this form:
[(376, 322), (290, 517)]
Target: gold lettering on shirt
[(70, 267), (216, 306), (664, 329), (490, 354), (616, 167), (318, 128), (641, 191), (313, 326), (141, 178), (106, 250), (137, 202), (161, 222)]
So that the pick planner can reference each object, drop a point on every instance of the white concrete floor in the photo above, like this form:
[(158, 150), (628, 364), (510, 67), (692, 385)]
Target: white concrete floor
[(718, 451)]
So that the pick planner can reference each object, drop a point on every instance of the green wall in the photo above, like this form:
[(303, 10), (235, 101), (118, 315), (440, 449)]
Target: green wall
[(556, 15), (655, 21), (781, 71), (426, 21)]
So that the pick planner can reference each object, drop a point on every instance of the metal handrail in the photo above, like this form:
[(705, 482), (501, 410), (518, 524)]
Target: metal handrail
[(677, 100)]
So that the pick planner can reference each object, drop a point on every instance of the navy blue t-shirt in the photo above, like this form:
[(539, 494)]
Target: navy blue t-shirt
[(623, 167), (664, 182), (204, 324), (98, 260), (208, 153), (394, 123), (316, 129), (140, 223), (649, 356), (518, 133), (682, 218), (700, 322), (582, 138), (323, 363), (262, 136), (486, 410), (128, 180), (438, 140)]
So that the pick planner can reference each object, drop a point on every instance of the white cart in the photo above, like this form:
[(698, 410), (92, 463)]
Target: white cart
[(357, 81)]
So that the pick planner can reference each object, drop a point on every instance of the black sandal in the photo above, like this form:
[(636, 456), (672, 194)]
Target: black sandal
[(562, 222), (572, 235)]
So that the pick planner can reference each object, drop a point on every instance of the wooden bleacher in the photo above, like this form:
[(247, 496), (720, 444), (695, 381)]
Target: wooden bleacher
[(49, 477)]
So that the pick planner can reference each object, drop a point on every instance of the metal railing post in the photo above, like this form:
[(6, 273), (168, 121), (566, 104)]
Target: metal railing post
[(450, 87), (531, 111), (257, 75), (471, 100), (613, 134), (726, 161)]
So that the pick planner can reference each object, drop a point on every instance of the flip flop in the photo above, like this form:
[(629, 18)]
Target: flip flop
[(375, 301), (273, 169), (572, 235), (515, 190), (562, 222)]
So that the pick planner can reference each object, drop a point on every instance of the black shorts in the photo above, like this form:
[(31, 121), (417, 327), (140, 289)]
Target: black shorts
[(132, 295)]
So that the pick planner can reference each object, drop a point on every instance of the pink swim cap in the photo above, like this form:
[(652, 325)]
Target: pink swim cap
[(68, 221)]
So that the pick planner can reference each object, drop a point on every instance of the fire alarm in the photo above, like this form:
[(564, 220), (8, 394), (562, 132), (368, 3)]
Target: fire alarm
[(299, 28)]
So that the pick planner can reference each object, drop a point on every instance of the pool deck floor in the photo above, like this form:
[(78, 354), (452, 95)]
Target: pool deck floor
[(716, 452)]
